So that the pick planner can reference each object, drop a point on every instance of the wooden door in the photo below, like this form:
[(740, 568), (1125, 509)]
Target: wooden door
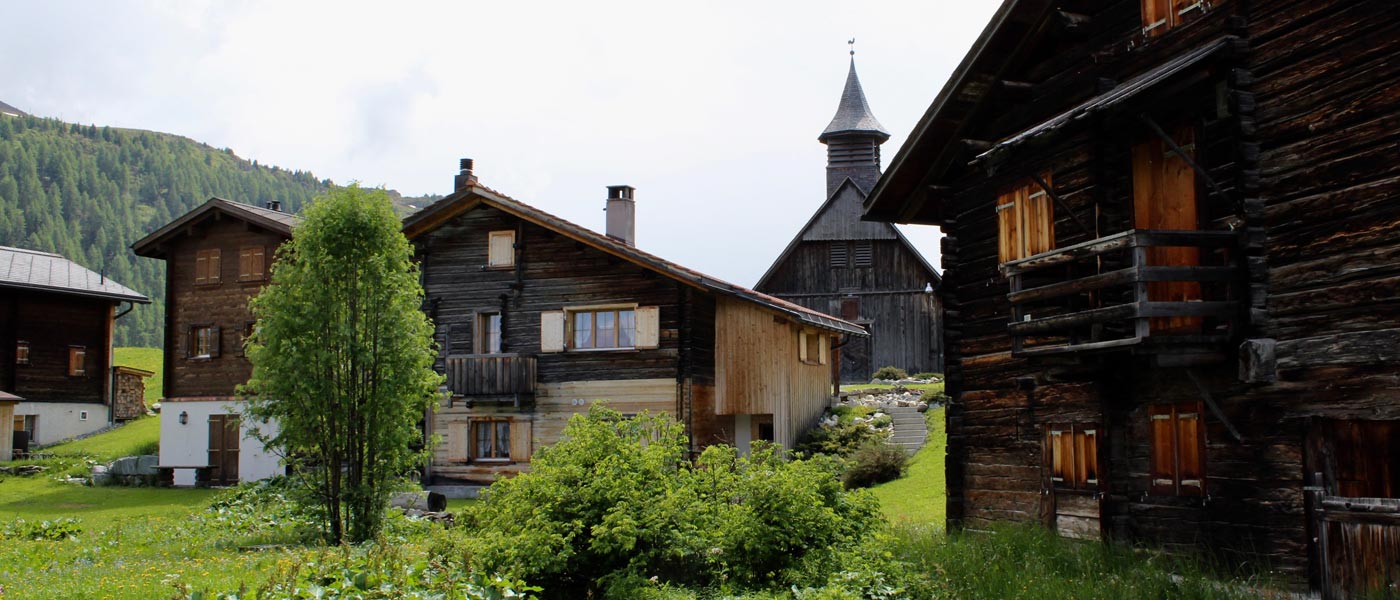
[(1354, 507), (223, 449), (1164, 197)]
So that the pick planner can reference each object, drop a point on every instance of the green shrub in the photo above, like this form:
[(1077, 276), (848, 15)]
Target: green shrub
[(840, 439), (890, 373), (873, 463), (50, 529), (617, 499), (926, 375)]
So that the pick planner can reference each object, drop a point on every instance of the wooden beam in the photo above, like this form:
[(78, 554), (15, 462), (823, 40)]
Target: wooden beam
[(1060, 203), (1072, 22), (1214, 409)]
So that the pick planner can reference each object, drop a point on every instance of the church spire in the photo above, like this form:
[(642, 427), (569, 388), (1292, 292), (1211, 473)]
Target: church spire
[(853, 138)]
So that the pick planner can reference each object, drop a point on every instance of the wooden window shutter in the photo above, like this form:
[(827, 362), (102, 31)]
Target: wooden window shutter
[(802, 346), (552, 331), (1061, 453), (864, 255), (1039, 216), (189, 341), (215, 267), (822, 349), (1163, 471), (1086, 454), (201, 268), (215, 341), (648, 327), (500, 249), (1185, 9), (457, 440), (245, 259), (1008, 221), (260, 263), (1156, 17), (1189, 439), (520, 440), (838, 255)]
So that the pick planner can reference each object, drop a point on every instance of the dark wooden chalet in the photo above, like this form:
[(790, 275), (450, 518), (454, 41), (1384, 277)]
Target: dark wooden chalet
[(56, 320), (538, 318), (866, 272), (217, 259), (1171, 276)]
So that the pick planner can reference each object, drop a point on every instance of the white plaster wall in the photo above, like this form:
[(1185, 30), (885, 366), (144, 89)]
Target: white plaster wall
[(59, 421), (188, 445)]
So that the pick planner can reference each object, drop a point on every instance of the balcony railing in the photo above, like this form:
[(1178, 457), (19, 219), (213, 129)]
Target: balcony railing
[(475, 375), (1098, 295)]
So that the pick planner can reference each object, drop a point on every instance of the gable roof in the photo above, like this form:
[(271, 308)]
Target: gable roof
[(830, 204), (272, 220), (46, 272), (10, 110), (475, 194)]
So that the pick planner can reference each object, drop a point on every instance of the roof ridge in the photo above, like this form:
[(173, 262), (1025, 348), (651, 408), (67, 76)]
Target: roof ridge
[(30, 251)]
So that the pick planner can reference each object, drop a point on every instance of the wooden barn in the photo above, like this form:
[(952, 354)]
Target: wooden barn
[(866, 272), (1171, 277), (538, 318), (217, 258), (56, 322)]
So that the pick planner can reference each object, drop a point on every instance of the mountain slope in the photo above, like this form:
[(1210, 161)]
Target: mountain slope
[(87, 193)]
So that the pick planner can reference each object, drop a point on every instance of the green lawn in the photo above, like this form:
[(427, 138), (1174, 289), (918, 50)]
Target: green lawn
[(139, 436), (921, 495), (149, 359)]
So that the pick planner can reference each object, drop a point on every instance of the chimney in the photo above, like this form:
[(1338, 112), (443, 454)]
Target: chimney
[(465, 177), (274, 205), (622, 214)]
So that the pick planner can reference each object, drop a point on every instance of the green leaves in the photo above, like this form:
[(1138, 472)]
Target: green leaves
[(342, 358)]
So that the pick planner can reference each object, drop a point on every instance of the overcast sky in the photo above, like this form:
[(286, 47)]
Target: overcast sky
[(710, 110)]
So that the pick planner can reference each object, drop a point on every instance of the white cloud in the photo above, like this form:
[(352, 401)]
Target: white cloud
[(711, 111)]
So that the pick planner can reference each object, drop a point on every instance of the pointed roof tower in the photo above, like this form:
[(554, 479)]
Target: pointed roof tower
[(853, 138)]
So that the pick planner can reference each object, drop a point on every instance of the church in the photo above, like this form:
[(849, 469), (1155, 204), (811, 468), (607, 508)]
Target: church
[(865, 272)]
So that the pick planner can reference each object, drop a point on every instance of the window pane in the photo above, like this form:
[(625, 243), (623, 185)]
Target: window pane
[(626, 328), (481, 431), (502, 439), (607, 329), (583, 330), (493, 334)]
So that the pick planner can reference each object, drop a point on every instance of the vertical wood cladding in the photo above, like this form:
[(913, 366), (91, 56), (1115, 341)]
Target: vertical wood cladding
[(903, 319), (1298, 125), (53, 323), (223, 305)]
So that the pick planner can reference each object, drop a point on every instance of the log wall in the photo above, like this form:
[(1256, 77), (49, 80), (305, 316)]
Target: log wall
[(51, 323)]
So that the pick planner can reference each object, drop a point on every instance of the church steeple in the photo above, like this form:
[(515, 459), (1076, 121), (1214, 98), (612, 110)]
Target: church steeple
[(853, 138)]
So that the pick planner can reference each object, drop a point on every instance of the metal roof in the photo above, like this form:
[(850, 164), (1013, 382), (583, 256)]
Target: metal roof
[(273, 220), (853, 115), (432, 216), (8, 109), (47, 272)]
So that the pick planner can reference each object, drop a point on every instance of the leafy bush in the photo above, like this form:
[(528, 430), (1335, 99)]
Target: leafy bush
[(890, 373), (927, 375), (52, 530), (840, 439), (618, 499), (875, 462), (263, 512)]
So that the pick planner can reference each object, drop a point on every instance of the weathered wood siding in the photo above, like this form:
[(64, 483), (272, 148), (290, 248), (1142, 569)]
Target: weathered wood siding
[(759, 371), (224, 305), (1303, 152), (51, 323)]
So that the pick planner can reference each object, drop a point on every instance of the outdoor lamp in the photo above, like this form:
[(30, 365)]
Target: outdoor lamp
[(184, 417)]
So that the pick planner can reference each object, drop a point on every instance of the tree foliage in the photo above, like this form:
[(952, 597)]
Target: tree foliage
[(619, 499), (342, 358)]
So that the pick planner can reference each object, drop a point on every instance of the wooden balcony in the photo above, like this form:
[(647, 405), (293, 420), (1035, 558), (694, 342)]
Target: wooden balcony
[(1099, 295), (483, 377)]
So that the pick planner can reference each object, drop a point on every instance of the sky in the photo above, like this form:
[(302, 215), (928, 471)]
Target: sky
[(711, 110)]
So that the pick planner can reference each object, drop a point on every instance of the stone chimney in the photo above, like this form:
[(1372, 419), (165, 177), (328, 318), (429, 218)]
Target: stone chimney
[(465, 177), (622, 214), (274, 205)]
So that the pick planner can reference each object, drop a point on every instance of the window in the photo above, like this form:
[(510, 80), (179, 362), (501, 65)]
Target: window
[(1025, 221), (21, 352), (488, 327), (490, 439), (839, 255), (597, 329), (207, 267), (1072, 456), (850, 308), (864, 254), (1178, 449), (500, 249), (82, 415), (250, 264), (77, 361), (202, 342), (1160, 15)]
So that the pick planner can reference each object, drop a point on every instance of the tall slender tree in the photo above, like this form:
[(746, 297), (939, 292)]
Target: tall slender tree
[(342, 358)]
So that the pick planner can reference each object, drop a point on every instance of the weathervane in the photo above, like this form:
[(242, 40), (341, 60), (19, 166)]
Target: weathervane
[(853, 46)]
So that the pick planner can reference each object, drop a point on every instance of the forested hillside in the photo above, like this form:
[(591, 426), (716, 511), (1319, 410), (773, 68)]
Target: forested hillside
[(88, 192)]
